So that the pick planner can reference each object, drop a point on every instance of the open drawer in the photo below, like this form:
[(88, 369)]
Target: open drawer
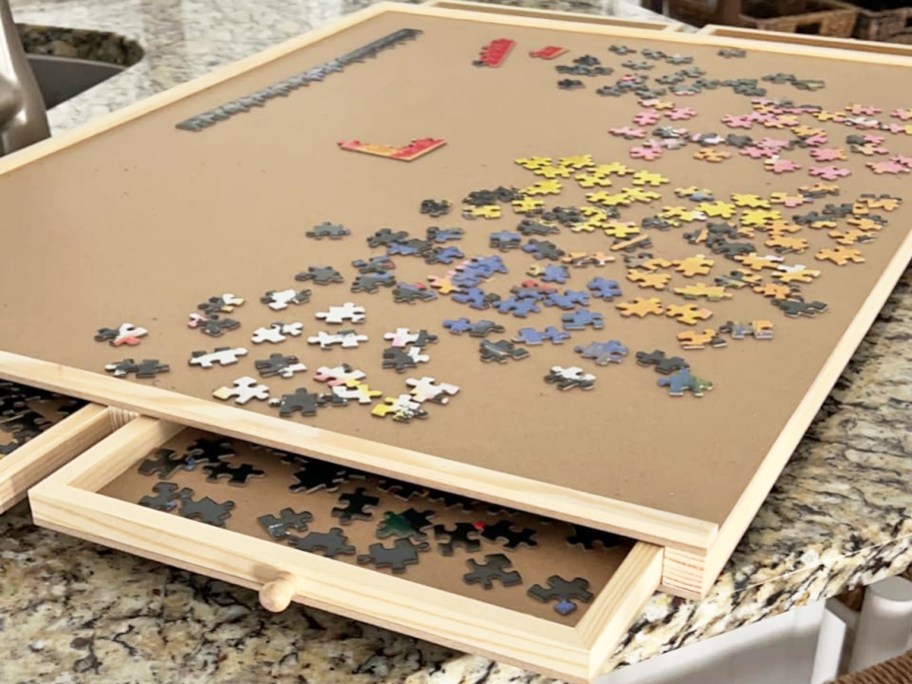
[(338, 514), (40, 431)]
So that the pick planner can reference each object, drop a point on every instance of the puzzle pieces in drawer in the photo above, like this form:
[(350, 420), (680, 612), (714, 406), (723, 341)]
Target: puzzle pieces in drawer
[(462, 535), (205, 450), (494, 569), (588, 538), (330, 544), (317, 475), (224, 356), (684, 381), (358, 505), (279, 364), (242, 390), (125, 333), (205, 509), (147, 368), (565, 592), (165, 498), (398, 557), (410, 523), (235, 474), (277, 527)]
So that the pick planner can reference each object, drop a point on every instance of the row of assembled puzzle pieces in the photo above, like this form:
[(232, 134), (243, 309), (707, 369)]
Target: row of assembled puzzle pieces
[(478, 538)]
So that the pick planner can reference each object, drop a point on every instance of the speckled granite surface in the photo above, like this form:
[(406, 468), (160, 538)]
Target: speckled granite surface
[(70, 611)]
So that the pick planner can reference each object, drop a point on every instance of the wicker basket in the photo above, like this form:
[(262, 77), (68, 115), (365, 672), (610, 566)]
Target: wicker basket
[(819, 17), (876, 22)]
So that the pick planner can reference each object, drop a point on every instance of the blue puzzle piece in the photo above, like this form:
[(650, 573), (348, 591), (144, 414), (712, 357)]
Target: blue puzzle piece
[(603, 353), (489, 264), (568, 299), (441, 235), (457, 326), (474, 297), (579, 319), (543, 249), (555, 274), (531, 336), (402, 249), (684, 381), (481, 328), (505, 240), (602, 288), (518, 307)]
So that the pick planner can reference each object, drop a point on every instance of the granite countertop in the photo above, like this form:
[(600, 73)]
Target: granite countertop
[(70, 611)]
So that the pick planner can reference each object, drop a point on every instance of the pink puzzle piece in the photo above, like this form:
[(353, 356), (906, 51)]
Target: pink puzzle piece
[(646, 152), (647, 117), (891, 167), (828, 172), (828, 154), (681, 113), (744, 121), (628, 133), (781, 165)]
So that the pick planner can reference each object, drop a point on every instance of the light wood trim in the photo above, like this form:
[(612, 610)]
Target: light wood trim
[(622, 518), (67, 502), (608, 619), (835, 53), (802, 39), (552, 15), (55, 446), (699, 580)]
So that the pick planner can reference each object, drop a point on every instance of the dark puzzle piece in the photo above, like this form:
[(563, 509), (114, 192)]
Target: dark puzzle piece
[(450, 500), (278, 364), (356, 506), (494, 568), (165, 498), (603, 353), (660, 362), (401, 554), (401, 489), (434, 208), (288, 519), (333, 231), (408, 524), (512, 537), (316, 475), (501, 351), (530, 227), (441, 235), (236, 475), (375, 264), (331, 544), (147, 368), (409, 293), (372, 282), (564, 592), (164, 463), (205, 510), (321, 275), (798, 307), (301, 401), (462, 535), (589, 538), (212, 324), (386, 236), (209, 450), (543, 249)]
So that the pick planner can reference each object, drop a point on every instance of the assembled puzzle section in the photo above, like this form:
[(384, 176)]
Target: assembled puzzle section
[(536, 566), (662, 252)]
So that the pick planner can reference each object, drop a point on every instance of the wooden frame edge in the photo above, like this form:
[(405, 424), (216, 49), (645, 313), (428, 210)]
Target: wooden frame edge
[(691, 573), (554, 15), (56, 446), (807, 40), (67, 501), (629, 520)]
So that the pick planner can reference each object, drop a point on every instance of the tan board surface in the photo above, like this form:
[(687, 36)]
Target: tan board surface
[(145, 221)]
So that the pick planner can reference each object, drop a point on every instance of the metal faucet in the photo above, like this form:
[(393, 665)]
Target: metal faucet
[(23, 118)]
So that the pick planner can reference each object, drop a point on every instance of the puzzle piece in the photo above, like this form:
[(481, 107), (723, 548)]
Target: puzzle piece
[(331, 544), (400, 360), (495, 568), (646, 279), (224, 356), (840, 256), (402, 337), (164, 463), (428, 389), (404, 552), (569, 378), (277, 332), (277, 526), (300, 400), (348, 312), (534, 337), (338, 375), (713, 293), (798, 307), (278, 300), (212, 325), (205, 510), (372, 282), (242, 390), (347, 339), (279, 364), (333, 231), (760, 330), (684, 381), (660, 362), (321, 275), (409, 293), (641, 307), (691, 340), (581, 318), (409, 524), (125, 333), (565, 592), (356, 506), (501, 351), (688, 314), (695, 265), (354, 390), (603, 353), (165, 498), (147, 368), (224, 303), (236, 475), (481, 328)]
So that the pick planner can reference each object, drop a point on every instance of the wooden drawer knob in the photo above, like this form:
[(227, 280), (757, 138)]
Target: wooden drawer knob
[(276, 596)]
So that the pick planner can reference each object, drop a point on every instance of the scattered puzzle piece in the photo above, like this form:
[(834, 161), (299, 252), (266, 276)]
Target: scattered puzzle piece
[(243, 390), (683, 381)]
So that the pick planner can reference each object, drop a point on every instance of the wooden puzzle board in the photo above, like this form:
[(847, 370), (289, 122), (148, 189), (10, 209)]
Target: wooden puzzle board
[(144, 221)]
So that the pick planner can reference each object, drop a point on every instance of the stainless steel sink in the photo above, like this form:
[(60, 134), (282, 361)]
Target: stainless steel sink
[(60, 78)]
